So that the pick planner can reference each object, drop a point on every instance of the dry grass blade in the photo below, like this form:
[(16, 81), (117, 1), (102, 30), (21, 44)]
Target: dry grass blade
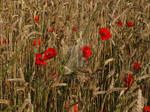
[(22, 107), (111, 73), (131, 105), (31, 79), (15, 80), (147, 65), (143, 77), (110, 91), (22, 75), (31, 108), (33, 33), (59, 84), (4, 102), (100, 92), (20, 89), (108, 61), (140, 102), (67, 70)]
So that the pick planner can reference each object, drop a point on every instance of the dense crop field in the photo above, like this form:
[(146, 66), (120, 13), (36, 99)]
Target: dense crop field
[(74, 56)]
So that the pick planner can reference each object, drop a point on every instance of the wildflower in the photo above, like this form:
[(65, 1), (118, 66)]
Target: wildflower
[(86, 51), (36, 19), (39, 42), (39, 60), (7, 84), (51, 29), (53, 74), (136, 66), (49, 53), (129, 81), (67, 108), (4, 41), (116, 15), (75, 28), (75, 108), (129, 23), (119, 23), (34, 42), (105, 33), (89, 79), (146, 109)]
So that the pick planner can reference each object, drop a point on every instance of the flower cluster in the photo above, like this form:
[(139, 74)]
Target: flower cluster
[(75, 108), (51, 29), (39, 60), (74, 28), (36, 19), (136, 66), (86, 51), (105, 33), (128, 23), (129, 81), (48, 54), (39, 42), (120, 24)]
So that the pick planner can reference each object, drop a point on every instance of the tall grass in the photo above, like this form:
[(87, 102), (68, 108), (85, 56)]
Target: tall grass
[(93, 85)]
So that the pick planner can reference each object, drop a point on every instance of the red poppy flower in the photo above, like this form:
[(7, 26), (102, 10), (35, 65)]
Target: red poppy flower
[(67, 107), (129, 23), (129, 81), (34, 42), (36, 19), (51, 29), (146, 109), (4, 41), (39, 60), (119, 23), (49, 53), (116, 15), (39, 42), (75, 108), (7, 84), (136, 66), (89, 79), (75, 28), (105, 33), (54, 74), (86, 51)]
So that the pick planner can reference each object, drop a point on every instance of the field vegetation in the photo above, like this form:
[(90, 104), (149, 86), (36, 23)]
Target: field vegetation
[(74, 55)]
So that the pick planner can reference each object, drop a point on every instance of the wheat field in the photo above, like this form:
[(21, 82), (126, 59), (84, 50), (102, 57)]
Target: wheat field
[(74, 55)]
